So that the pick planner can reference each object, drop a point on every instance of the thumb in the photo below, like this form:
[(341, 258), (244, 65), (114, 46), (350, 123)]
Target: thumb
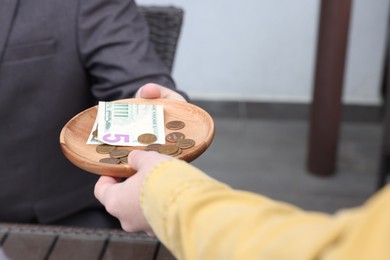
[(149, 90), (145, 160), (137, 159)]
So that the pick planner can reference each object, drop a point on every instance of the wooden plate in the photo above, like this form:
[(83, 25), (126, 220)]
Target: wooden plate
[(199, 126)]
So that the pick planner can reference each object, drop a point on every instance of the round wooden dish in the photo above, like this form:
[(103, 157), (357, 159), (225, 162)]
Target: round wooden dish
[(199, 126)]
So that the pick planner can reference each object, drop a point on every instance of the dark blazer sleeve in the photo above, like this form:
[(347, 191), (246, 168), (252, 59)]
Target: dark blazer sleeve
[(115, 48)]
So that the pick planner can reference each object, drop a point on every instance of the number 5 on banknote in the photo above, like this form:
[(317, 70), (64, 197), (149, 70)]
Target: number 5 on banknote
[(114, 138)]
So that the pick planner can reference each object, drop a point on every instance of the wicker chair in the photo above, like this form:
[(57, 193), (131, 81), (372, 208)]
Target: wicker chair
[(165, 25)]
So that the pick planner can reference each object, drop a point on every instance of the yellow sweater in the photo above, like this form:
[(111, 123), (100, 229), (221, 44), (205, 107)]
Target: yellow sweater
[(197, 217)]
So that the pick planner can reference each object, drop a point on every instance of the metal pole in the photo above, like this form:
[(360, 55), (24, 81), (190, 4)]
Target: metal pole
[(326, 107)]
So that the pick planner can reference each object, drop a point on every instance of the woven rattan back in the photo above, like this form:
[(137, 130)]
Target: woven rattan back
[(165, 25)]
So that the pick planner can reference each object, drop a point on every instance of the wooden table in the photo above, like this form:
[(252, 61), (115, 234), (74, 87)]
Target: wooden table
[(25, 241)]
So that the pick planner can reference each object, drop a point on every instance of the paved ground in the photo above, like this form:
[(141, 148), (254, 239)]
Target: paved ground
[(268, 156)]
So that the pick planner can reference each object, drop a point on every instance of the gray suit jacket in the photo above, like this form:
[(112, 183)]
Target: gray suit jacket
[(58, 57)]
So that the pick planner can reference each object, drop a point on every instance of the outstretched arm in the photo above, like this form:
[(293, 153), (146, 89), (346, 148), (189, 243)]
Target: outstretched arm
[(197, 217)]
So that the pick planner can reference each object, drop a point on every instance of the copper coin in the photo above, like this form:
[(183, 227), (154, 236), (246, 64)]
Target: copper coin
[(175, 125), (124, 160), (105, 148), (185, 143), (174, 137), (119, 153), (168, 149), (95, 133), (147, 138), (152, 147), (179, 151), (110, 160)]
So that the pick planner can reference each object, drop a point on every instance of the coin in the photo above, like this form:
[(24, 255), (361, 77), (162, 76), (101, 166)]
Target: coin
[(174, 137), (95, 133), (110, 160), (179, 151), (175, 125), (185, 143), (119, 153), (147, 138), (105, 148), (168, 149), (124, 160), (152, 147)]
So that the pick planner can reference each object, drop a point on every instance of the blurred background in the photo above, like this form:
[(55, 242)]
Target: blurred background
[(264, 50), (251, 65)]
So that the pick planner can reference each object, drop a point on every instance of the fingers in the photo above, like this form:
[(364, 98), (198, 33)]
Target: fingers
[(101, 187), (170, 94), (122, 200)]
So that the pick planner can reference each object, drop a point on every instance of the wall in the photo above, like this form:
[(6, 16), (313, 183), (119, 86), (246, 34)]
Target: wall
[(261, 50)]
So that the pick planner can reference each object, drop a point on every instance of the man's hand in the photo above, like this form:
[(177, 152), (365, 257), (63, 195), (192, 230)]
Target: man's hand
[(122, 199), (152, 90)]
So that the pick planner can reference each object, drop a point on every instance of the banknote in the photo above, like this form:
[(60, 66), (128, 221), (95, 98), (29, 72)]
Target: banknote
[(91, 138), (121, 123)]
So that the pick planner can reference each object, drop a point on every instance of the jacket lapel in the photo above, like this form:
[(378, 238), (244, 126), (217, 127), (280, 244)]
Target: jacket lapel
[(7, 14)]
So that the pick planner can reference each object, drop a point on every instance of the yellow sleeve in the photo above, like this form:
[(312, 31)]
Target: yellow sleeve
[(197, 217)]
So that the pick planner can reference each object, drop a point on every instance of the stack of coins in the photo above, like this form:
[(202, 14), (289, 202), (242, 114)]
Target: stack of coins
[(117, 156), (176, 142)]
